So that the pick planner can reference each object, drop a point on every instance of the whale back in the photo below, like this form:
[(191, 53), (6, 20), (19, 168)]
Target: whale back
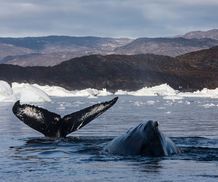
[(145, 139)]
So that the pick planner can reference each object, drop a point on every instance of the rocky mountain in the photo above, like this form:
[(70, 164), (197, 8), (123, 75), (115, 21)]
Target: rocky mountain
[(211, 34), (202, 70), (44, 59), (202, 60), (64, 43), (165, 46), (11, 50), (128, 72), (52, 50)]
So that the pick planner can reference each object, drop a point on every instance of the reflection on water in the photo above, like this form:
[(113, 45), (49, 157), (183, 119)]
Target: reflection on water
[(26, 155)]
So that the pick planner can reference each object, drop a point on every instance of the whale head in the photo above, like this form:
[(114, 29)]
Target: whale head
[(145, 139), (152, 140)]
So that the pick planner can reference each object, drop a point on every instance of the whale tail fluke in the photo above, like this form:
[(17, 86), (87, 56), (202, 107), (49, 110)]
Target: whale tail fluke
[(51, 124), (77, 120), (40, 119)]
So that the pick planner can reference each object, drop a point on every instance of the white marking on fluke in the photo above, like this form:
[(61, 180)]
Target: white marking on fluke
[(31, 112)]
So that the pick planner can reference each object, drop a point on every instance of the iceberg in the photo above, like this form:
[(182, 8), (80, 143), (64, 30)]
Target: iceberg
[(23, 92), (29, 93), (169, 93), (209, 105), (61, 92), (160, 90), (211, 93), (173, 97), (37, 93), (6, 92)]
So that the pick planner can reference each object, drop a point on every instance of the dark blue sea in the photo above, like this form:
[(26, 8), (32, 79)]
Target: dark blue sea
[(192, 123)]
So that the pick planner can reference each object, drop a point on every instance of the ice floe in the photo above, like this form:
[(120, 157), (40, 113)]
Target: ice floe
[(160, 90), (37, 93), (6, 92), (61, 92), (29, 93), (23, 92), (209, 105), (211, 93)]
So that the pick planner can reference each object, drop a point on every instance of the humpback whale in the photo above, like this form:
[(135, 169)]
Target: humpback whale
[(145, 139), (53, 125)]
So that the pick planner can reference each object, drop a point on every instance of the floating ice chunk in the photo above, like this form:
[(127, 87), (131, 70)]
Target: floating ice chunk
[(150, 102), (187, 102), (6, 93), (61, 106), (211, 93), (173, 97), (160, 90), (138, 103), (169, 103), (61, 92), (29, 93), (22, 92), (121, 92), (92, 97), (161, 108), (104, 92), (54, 90), (209, 105), (169, 93), (180, 102)]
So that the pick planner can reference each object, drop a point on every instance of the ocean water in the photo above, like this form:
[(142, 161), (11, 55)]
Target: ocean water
[(192, 123)]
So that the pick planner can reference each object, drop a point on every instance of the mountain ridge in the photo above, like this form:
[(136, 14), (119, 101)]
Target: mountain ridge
[(52, 50), (127, 72), (212, 34)]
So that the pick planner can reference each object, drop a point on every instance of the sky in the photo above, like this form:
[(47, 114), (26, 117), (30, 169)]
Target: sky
[(106, 18)]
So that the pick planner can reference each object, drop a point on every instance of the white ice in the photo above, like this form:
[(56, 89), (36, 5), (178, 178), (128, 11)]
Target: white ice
[(169, 93), (37, 93), (163, 90), (29, 93), (23, 92), (6, 92), (160, 90), (211, 93), (61, 92), (209, 105)]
